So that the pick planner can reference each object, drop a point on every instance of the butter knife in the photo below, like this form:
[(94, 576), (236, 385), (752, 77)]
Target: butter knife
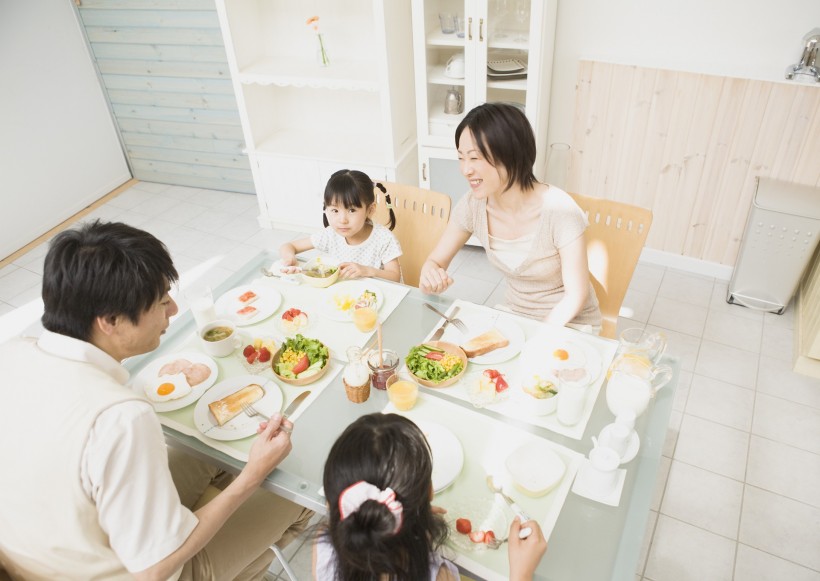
[(440, 331), (295, 404)]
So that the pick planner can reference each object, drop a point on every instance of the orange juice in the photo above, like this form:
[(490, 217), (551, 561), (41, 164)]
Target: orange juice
[(403, 394), (365, 319)]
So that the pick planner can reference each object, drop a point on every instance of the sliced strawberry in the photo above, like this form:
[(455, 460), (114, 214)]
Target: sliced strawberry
[(303, 364), (435, 355), (252, 357), (492, 373), (248, 350), (500, 384), (477, 536), (287, 316), (489, 537), (264, 355), (464, 526), (296, 312)]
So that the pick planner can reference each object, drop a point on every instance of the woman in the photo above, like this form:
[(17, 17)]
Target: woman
[(532, 232)]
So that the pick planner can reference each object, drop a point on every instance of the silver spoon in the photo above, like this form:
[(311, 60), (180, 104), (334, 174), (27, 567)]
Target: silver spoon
[(525, 531)]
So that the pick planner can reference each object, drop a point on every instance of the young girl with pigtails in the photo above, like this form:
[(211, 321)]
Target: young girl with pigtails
[(381, 524), (362, 247)]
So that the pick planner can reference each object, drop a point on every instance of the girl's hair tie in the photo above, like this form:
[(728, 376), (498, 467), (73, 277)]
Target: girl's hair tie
[(389, 202), (352, 498)]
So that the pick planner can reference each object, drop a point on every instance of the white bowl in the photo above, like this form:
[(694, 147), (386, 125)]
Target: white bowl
[(320, 282)]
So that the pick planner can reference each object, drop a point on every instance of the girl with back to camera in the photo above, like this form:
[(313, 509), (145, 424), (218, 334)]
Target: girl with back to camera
[(362, 247), (533, 232), (381, 525)]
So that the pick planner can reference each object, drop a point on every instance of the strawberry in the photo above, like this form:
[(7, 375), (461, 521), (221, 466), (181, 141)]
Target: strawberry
[(477, 536), (435, 355), (464, 526), (489, 537), (287, 316), (303, 364), (248, 350), (264, 355), (252, 357), (500, 383), (295, 312), (492, 373)]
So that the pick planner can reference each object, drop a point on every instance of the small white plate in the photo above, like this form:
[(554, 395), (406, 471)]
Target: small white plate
[(242, 425), (267, 301), (631, 448), (150, 375), (351, 289), (583, 486), (448, 454), (485, 513), (478, 324)]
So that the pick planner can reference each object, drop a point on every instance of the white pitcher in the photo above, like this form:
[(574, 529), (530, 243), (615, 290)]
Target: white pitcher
[(626, 391), (639, 342)]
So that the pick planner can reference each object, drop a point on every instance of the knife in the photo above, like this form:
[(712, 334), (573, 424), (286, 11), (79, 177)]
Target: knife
[(440, 331), (295, 404)]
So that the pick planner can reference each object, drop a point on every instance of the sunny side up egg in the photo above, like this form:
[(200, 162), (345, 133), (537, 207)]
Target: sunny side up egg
[(167, 388)]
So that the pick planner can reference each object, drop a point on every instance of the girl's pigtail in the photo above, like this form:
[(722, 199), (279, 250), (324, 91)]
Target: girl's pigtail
[(389, 203)]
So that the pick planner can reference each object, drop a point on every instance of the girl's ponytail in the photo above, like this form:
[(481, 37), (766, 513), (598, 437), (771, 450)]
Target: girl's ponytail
[(389, 203)]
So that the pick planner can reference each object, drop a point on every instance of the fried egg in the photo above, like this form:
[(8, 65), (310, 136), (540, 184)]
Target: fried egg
[(167, 387), (567, 356)]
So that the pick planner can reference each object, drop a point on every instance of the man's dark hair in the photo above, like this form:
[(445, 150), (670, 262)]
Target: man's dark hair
[(102, 269), (504, 137)]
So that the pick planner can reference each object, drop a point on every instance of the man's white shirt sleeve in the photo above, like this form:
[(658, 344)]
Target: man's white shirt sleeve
[(125, 472)]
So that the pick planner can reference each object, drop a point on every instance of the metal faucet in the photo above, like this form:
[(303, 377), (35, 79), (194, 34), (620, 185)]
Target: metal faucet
[(808, 61)]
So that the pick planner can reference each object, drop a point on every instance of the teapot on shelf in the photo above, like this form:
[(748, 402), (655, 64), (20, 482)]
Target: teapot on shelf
[(453, 102)]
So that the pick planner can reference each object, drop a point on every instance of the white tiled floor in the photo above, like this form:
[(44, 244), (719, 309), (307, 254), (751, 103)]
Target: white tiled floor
[(738, 494)]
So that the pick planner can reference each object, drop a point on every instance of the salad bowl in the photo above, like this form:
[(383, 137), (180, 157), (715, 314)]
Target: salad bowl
[(423, 363), (318, 360)]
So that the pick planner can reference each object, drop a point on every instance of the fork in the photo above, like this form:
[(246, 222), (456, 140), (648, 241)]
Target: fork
[(251, 411), (457, 323)]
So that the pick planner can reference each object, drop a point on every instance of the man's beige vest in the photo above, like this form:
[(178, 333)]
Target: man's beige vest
[(48, 525)]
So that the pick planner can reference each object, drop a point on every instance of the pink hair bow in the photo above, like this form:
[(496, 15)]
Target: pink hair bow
[(355, 495)]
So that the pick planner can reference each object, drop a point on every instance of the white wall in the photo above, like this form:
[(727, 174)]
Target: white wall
[(59, 150), (754, 39)]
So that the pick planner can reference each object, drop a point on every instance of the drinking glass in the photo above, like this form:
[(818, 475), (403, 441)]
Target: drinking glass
[(522, 16), (365, 319)]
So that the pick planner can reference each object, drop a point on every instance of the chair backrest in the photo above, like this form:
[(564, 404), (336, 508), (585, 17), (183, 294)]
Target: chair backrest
[(421, 217), (615, 238)]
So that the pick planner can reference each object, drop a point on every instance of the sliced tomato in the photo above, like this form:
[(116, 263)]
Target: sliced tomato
[(500, 383), (477, 536), (464, 526), (435, 355), (489, 537), (302, 364)]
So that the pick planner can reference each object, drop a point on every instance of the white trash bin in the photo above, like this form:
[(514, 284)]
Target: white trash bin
[(780, 237)]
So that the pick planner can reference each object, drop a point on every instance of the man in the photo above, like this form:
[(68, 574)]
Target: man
[(87, 490)]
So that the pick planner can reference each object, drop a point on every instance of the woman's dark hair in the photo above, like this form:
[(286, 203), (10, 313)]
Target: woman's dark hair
[(386, 450), (102, 269), (505, 138), (351, 188)]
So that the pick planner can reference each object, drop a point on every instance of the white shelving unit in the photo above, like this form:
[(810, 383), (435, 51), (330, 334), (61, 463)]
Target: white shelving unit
[(302, 121), (493, 30)]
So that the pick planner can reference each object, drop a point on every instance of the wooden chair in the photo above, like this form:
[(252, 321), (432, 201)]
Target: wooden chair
[(615, 238), (421, 217)]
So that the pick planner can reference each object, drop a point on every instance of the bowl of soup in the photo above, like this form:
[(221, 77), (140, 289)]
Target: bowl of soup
[(219, 338), (321, 271)]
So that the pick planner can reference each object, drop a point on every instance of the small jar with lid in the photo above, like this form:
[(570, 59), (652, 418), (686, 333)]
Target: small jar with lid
[(356, 376)]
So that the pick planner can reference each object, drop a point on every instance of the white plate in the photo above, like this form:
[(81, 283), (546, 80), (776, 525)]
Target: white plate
[(485, 513), (448, 454), (350, 288), (150, 374), (478, 324), (267, 301), (536, 356), (241, 426), (535, 468)]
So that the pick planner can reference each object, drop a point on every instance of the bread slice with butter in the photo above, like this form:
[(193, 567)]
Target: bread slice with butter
[(230, 406), (484, 343)]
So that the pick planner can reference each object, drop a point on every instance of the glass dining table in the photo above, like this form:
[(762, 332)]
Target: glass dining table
[(590, 540)]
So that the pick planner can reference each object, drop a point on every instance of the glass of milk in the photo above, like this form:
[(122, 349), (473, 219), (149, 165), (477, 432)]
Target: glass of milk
[(201, 302)]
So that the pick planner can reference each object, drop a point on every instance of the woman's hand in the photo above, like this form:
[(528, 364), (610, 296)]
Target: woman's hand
[(434, 279), (525, 554)]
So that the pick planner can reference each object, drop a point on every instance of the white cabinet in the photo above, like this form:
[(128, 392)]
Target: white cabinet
[(303, 120), (493, 30)]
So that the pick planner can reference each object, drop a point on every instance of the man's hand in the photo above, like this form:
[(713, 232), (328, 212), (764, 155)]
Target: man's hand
[(525, 554), (270, 448), (433, 279)]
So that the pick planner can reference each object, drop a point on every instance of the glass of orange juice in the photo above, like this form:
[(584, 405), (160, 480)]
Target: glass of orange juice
[(402, 392), (365, 319)]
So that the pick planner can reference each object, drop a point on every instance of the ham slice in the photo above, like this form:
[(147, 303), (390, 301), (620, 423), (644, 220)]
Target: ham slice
[(174, 367), (196, 374)]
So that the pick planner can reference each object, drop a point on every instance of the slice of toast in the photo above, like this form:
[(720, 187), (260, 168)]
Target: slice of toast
[(230, 406), (484, 343)]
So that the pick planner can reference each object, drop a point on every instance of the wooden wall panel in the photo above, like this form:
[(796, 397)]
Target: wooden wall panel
[(164, 68), (690, 146)]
